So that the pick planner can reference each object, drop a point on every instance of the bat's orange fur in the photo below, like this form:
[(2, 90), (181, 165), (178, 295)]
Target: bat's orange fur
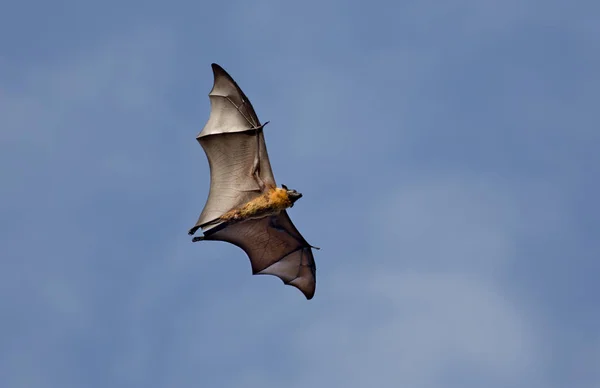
[(271, 202)]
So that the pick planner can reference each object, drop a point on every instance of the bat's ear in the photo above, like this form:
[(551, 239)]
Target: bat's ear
[(284, 186)]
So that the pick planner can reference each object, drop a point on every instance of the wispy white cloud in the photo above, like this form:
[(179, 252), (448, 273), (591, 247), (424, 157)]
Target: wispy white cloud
[(424, 330), (427, 305)]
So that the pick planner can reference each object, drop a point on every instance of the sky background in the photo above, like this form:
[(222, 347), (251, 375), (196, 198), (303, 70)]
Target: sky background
[(448, 157)]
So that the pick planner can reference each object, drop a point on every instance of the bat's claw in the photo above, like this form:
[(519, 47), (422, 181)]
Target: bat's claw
[(198, 238)]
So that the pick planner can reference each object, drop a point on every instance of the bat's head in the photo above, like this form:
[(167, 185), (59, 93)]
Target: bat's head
[(293, 195)]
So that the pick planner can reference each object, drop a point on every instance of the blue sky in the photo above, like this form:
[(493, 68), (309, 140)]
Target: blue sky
[(448, 157)]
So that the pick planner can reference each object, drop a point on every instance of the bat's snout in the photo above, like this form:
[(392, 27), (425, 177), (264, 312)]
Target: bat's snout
[(294, 195)]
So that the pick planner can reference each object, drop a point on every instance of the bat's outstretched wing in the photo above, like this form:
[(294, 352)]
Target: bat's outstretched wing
[(234, 144), (240, 171), (275, 247)]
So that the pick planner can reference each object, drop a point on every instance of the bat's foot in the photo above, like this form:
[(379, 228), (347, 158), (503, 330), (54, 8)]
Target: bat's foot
[(193, 230), (198, 238)]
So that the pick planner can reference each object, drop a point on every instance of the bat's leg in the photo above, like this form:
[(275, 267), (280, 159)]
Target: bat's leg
[(257, 157), (195, 228), (256, 174)]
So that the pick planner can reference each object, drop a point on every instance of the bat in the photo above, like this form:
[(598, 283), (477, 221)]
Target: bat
[(244, 205)]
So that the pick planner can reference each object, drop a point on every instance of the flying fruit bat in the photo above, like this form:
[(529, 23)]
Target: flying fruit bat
[(244, 206)]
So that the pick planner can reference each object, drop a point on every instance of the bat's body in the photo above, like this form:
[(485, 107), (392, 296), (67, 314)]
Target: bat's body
[(270, 203), (244, 206)]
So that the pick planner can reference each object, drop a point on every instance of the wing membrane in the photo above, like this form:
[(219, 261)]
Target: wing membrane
[(232, 140), (275, 247)]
